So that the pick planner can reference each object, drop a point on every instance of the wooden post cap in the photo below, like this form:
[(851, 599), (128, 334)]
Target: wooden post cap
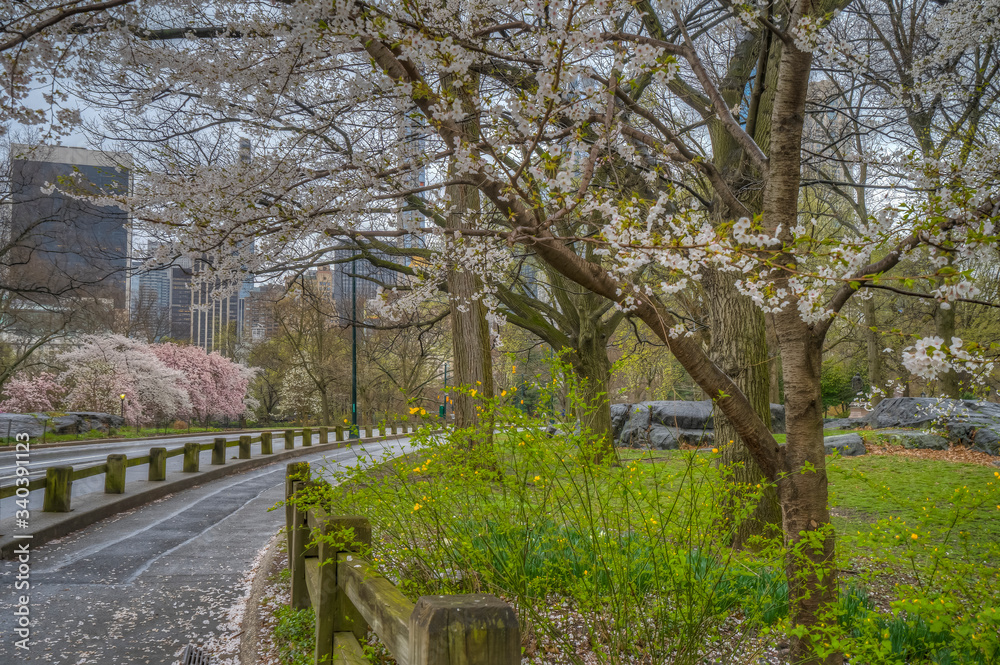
[(245, 443), (471, 629), (219, 451), (157, 464), (114, 476), (58, 489)]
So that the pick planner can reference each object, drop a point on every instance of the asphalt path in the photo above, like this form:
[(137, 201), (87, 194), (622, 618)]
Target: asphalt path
[(136, 588), (84, 455)]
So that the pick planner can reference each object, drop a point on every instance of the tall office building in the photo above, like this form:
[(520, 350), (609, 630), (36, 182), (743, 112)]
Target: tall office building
[(65, 245), (413, 147), (186, 308)]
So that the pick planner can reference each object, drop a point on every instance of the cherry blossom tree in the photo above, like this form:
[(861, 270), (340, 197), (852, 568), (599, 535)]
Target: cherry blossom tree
[(101, 368), (624, 127), (214, 385), (27, 394)]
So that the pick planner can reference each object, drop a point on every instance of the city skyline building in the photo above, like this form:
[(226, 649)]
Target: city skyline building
[(64, 244)]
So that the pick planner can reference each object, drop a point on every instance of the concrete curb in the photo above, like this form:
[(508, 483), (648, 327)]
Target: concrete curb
[(97, 506), (253, 614)]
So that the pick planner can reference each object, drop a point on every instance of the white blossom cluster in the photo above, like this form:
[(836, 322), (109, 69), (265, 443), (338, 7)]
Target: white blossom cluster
[(931, 356)]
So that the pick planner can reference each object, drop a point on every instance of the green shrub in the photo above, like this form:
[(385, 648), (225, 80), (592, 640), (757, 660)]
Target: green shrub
[(637, 548)]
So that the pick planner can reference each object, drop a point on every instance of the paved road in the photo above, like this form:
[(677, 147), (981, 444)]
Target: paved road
[(134, 589), (80, 456)]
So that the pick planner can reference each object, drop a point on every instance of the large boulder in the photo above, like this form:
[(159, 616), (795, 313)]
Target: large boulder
[(67, 424), (619, 416), (689, 422), (922, 411), (95, 420), (641, 431), (32, 424), (76, 422), (695, 437), (848, 445), (681, 415), (987, 440), (661, 438)]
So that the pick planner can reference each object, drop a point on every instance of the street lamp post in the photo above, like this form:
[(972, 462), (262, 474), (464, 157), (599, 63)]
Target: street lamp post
[(122, 397), (355, 432)]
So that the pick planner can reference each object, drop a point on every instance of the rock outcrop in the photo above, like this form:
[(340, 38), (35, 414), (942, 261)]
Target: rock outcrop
[(665, 425), (848, 445), (77, 422), (923, 411)]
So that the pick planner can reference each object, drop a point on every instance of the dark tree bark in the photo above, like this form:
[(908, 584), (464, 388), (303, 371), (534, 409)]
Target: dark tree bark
[(739, 348), (470, 333)]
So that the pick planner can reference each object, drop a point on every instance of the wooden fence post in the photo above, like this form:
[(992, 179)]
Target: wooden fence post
[(335, 613), (192, 453), (245, 446), (297, 553), (340, 433), (324, 435), (289, 439), (114, 477), (58, 489), (307, 436), (293, 471), (219, 451), (157, 464), (473, 629), (265, 444)]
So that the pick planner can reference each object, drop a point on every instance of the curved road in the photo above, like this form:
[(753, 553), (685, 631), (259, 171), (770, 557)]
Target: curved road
[(136, 588)]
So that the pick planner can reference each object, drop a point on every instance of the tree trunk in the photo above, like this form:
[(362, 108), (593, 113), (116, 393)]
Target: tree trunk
[(809, 536), (470, 334), (593, 367), (802, 480), (875, 379), (774, 366), (944, 325), (739, 348), (325, 405)]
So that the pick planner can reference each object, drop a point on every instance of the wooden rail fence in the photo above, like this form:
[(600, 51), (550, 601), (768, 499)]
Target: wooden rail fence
[(58, 481), (349, 595)]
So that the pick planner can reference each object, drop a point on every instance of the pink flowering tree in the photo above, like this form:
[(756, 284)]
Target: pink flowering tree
[(102, 368), (25, 394), (215, 386)]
